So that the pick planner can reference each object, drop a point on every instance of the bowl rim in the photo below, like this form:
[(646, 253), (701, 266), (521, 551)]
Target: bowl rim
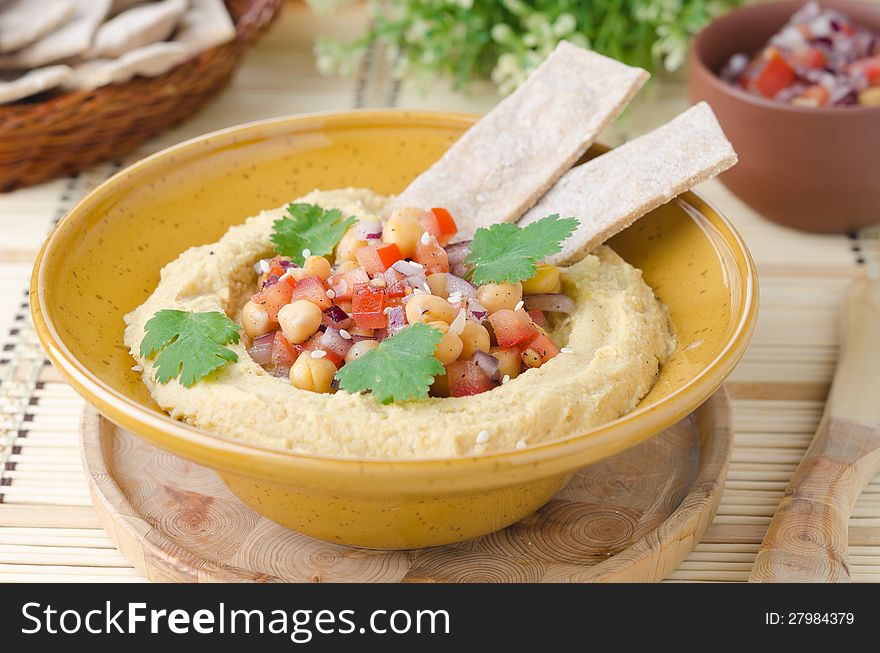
[(236, 457), (712, 78)]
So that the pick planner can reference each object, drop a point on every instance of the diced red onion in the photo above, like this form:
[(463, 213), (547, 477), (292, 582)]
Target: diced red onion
[(416, 280), (380, 334), (457, 325), (455, 284), (553, 302), (331, 340), (368, 230), (477, 310), (336, 317), (396, 319), (408, 268), (281, 371), (456, 254), (261, 349), (286, 264), (271, 280), (261, 266), (488, 363)]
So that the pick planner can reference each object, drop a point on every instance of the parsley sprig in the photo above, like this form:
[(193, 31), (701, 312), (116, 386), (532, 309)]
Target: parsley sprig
[(402, 367), (507, 253), (189, 345), (309, 227)]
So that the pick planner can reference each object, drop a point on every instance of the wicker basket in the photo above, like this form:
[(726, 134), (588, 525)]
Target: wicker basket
[(66, 133)]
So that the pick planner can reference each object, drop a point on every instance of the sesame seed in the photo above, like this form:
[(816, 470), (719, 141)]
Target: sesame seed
[(505, 379), (482, 437), (345, 334), (331, 294), (264, 266), (521, 444), (318, 353), (418, 291), (519, 305), (284, 276), (427, 288), (426, 238), (567, 350), (307, 253)]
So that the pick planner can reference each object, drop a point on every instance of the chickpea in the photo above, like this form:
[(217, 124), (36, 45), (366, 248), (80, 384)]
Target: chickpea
[(299, 320), (870, 96), (313, 374), (317, 266), (255, 320), (546, 280), (347, 266), (348, 245), (498, 296), (360, 348), (429, 308), (449, 347), (474, 336), (508, 361), (437, 284), (531, 358), (404, 230)]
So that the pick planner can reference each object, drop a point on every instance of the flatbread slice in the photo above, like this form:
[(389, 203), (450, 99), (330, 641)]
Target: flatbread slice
[(147, 61), (507, 160), (204, 25), (607, 194), (33, 82), (24, 21), (137, 27)]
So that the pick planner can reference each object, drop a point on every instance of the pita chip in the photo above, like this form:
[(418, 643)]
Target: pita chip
[(71, 39), (607, 194), (33, 82), (24, 21), (136, 28), (204, 25), (510, 157), (148, 61)]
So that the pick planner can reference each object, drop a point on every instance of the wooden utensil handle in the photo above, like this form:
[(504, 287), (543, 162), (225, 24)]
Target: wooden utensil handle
[(807, 538)]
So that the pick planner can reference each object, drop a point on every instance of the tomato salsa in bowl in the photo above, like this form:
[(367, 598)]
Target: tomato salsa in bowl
[(807, 155)]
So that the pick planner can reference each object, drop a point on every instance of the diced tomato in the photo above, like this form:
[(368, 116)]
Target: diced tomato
[(811, 57), (377, 258), (333, 343), (273, 297), (466, 378), (512, 327), (394, 286), (815, 95), (344, 284), (432, 256), (538, 318), (283, 355), (368, 307), (314, 342), (312, 289), (870, 67), (545, 347), (439, 223), (774, 75)]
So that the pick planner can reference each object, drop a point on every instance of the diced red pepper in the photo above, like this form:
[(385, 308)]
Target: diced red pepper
[(273, 297), (439, 223), (774, 75), (312, 289), (283, 355), (538, 318), (870, 67), (544, 347), (811, 57), (512, 327), (343, 285), (467, 378), (375, 259), (432, 256), (368, 307)]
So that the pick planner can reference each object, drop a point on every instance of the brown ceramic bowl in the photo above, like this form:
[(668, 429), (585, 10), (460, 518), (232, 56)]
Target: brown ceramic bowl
[(815, 169)]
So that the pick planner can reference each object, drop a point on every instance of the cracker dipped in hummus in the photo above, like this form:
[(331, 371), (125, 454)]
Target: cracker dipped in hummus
[(355, 325)]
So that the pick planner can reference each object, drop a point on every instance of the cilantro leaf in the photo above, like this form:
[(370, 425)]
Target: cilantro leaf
[(309, 227), (402, 367), (508, 253), (191, 344)]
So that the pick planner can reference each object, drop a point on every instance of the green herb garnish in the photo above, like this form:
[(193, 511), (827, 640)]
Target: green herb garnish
[(506, 253), (402, 367), (309, 228), (190, 345)]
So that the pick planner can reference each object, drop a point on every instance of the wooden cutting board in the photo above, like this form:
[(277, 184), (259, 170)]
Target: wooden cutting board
[(632, 517)]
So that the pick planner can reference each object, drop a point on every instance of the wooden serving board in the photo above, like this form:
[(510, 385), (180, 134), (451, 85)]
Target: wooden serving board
[(633, 517)]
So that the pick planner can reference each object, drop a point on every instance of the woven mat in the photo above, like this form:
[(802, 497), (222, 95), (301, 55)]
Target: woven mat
[(48, 529)]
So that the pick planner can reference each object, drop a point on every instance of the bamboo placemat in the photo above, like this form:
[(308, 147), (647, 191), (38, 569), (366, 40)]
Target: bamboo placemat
[(48, 529)]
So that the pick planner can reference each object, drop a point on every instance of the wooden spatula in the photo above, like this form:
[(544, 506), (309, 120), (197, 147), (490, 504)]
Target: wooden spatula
[(807, 538)]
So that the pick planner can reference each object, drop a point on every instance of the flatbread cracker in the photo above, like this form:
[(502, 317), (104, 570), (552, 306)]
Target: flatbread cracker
[(204, 25), (137, 27), (507, 160), (148, 61), (71, 39), (33, 82), (24, 21), (610, 192)]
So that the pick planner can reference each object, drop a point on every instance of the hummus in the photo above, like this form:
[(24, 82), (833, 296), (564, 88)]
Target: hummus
[(615, 341)]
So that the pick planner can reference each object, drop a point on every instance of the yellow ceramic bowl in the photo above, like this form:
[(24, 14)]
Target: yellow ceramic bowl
[(104, 258)]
